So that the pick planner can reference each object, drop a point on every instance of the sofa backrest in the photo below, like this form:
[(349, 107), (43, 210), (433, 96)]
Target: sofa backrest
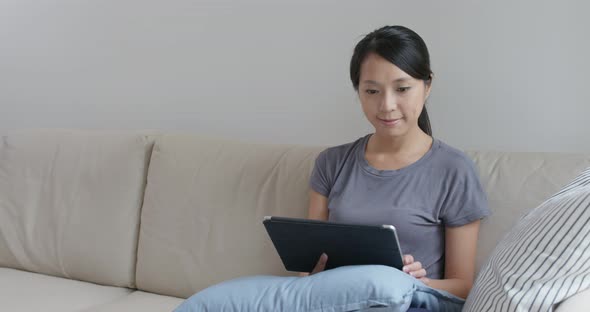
[(516, 183), (205, 200), (70, 202)]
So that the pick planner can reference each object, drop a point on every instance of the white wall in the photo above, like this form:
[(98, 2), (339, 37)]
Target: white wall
[(510, 75)]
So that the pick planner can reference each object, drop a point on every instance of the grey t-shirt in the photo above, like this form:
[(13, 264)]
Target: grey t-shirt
[(440, 189)]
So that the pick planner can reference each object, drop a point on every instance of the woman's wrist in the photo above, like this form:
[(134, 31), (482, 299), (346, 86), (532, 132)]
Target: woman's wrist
[(426, 281), (455, 286)]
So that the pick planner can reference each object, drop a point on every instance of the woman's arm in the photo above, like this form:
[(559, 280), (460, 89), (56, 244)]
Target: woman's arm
[(460, 251), (318, 210), (318, 206)]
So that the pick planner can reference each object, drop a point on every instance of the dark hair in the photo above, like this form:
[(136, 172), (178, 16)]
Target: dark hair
[(402, 47)]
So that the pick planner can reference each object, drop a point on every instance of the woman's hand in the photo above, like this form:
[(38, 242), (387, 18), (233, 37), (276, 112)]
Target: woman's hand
[(319, 267), (414, 268)]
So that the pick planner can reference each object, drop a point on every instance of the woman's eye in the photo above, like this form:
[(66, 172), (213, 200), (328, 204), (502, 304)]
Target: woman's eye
[(371, 91), (403, 89)]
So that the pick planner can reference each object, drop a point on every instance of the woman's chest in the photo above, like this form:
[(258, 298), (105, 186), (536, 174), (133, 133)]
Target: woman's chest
[(414, 200)]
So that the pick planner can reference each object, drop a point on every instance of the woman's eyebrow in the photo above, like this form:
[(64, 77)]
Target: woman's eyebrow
[(371, 82), (401, 79)]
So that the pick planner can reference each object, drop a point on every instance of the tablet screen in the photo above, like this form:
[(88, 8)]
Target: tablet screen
[(300, 243)]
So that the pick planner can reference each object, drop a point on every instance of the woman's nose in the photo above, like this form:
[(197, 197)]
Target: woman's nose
[(388, 102)]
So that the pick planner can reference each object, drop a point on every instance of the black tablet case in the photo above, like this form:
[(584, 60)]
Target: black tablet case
[(300, 242)]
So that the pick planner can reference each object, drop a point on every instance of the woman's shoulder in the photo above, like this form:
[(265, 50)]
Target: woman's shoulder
[(343, 151), (329, 164), (453, 158)]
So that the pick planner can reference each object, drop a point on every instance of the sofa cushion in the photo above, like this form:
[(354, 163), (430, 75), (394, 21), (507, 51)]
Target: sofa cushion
[(543, 259), (194, 183), (139, 301), (204, 205), (577, 302), (70, 203), (25, 291), (516, 183)]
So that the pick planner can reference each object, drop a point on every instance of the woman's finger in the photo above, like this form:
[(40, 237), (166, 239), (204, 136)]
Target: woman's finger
[(418, 274), (321, 265), (408, 259), (415, 266)]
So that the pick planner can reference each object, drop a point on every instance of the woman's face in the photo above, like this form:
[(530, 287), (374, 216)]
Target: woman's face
[(391, 99)]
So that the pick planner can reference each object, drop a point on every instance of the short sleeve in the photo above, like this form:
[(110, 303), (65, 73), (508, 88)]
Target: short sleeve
[(320, 180), (466, 200)]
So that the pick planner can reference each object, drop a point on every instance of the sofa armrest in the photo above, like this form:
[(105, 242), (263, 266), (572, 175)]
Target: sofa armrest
[(578, 302)]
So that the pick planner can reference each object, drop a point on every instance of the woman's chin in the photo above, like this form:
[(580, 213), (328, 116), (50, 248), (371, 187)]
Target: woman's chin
[(390, 132)]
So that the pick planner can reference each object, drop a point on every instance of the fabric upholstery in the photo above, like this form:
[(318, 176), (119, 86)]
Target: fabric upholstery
[(578, 302), (22, 291), (204, 205), (543, 259), (206, 197), (139, 301), (70, 203), (516, 183)]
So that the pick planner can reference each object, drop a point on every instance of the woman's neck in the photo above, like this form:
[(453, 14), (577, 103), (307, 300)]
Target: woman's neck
[(416, 142)]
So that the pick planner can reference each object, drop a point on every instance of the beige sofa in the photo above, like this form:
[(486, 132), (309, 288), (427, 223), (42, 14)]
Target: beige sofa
[(136, 221)]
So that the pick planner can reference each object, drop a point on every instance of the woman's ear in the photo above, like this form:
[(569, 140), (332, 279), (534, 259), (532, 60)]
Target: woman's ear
[(428, 86)]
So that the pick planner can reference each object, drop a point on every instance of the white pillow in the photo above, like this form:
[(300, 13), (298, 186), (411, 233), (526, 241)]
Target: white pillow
[(543, 260)]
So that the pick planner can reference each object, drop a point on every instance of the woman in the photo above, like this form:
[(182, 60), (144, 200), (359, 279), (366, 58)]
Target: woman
[(400, 174)]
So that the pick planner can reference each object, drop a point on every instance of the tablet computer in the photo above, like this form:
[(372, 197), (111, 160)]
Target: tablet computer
[(300, 243)]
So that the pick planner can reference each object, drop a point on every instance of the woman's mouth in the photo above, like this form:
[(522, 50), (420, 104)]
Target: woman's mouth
[(389, 122)]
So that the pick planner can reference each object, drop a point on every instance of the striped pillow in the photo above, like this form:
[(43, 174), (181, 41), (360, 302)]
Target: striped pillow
[(543, 260)]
